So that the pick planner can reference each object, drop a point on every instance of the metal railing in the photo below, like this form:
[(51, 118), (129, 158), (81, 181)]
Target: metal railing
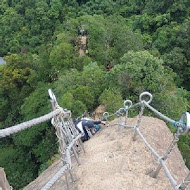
[(182, 126), (66, 133)]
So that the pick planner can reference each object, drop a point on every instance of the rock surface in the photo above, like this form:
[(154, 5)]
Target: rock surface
[(113, 161)]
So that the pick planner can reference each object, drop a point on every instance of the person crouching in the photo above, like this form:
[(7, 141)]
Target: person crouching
[(86, 128)]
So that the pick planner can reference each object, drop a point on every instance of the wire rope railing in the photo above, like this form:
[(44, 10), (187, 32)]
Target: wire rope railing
[(67, 136), (182, 128), (66, 133)]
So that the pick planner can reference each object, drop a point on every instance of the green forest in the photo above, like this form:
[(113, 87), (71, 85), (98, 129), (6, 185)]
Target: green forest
[(146, 43)]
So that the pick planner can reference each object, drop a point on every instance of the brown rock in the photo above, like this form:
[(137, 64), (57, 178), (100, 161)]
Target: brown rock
[(113, 161)]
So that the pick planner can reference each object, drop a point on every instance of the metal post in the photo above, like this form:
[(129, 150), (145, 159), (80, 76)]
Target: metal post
[(126, 116), (166, 155), (81, 145), (71, 174), (119, 122), (127, 104), (155, 174), (138, 122), (76, 155), (135, 135), (67, 180), (185, 182)]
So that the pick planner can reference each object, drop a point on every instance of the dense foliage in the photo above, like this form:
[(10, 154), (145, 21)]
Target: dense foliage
[(145, 42)]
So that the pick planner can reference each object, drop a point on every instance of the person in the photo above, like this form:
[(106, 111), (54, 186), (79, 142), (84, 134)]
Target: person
[(108, 67), (85, 125)]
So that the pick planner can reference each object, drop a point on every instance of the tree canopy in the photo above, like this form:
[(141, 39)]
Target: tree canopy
[(145, 43)]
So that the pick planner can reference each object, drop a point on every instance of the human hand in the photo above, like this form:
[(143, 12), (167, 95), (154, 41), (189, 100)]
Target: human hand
[(103, 122)]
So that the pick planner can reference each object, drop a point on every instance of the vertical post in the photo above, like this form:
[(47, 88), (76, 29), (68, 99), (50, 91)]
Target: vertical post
[(120, 119), (126, 116), (76, 155), (62, 150), (155, 174), (142, 109), (138, 122), (127, 104), (119, 122), (71, 175), (67, 180), (166, 155), (81, 145), (185, 182), (62, 146)]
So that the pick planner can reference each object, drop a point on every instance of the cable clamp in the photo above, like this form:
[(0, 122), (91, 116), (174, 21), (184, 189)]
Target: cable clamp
[(105, 116), (183, 124)]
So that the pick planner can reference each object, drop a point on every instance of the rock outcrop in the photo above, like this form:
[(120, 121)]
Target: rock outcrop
[(113, 161)]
